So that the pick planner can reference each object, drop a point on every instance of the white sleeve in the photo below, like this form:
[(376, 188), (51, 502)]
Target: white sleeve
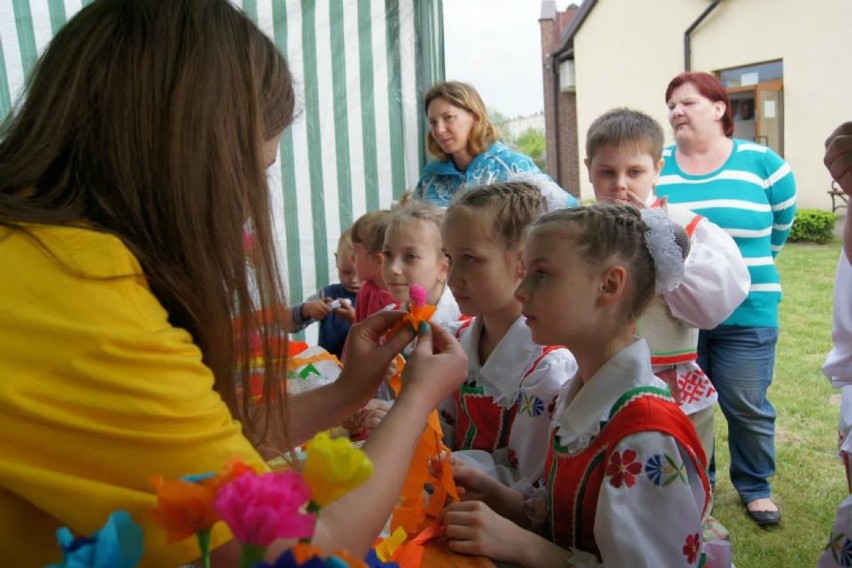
[(530, 435), (715, 281), (650, 505), (838, 364)]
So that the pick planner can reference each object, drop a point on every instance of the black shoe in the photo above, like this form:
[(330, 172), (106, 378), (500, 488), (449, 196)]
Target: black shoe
[(765, 518)]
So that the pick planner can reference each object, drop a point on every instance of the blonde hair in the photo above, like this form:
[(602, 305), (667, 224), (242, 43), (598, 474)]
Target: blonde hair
[(418, 211), (369, 230), (464, 96), (345, 246), (605, 234), (623, 127), (510, 208)]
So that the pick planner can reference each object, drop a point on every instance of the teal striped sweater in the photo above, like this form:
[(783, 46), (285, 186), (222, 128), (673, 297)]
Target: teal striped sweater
[(752, 197)]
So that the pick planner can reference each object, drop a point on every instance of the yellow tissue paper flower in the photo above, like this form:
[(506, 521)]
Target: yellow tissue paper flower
[(334, 467)]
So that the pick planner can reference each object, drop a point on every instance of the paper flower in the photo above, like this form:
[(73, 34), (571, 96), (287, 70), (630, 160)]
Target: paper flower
[(334, 467), (117, 545), (184, 507), (417, 295), (418, 310), (262, 508)]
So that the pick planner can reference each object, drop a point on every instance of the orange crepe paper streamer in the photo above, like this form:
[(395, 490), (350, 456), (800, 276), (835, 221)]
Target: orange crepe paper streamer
[(413, 514), (296, 362), (410, 554)]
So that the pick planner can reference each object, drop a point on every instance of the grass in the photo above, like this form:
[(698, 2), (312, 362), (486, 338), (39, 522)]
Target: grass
[(810, 482)]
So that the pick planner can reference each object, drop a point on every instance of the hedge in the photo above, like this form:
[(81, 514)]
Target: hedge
[(813, 225)]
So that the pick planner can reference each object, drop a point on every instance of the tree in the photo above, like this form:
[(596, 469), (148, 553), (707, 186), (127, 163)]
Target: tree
[(497, 118), (533, 143)]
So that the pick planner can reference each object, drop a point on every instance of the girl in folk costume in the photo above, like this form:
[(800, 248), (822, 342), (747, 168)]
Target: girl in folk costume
[(504, 407), (624, 158), (625, 472)]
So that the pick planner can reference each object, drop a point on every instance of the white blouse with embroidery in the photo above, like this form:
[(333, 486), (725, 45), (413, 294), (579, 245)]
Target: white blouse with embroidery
[(502, 377), (651, 504)]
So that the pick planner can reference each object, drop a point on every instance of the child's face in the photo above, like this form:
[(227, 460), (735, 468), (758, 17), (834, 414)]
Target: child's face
[(346, 272), (559, 290), (483, 273), (412, 255), (367, 266), (623, 175)]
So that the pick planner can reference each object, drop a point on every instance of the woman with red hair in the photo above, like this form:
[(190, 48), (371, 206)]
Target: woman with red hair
[(748, 190)]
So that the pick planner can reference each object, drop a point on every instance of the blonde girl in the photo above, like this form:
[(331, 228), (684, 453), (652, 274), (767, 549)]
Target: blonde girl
[(625, 481), (502, 409), (412, 254)]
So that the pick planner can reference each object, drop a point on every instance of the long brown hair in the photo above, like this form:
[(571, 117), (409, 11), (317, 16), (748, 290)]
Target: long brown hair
[(146, 119), (464, 96)]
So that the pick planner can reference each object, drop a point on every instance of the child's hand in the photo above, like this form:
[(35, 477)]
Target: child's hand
[(374, 413), (316, 309), (346, 311), (473, 482), (838, 156), (635, 200), (473, 528), (393, 369)]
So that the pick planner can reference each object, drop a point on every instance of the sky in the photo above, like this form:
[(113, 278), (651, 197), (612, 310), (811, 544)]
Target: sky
[(496, 46)]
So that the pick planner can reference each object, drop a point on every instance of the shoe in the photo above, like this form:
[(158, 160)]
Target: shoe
[(765, 518)]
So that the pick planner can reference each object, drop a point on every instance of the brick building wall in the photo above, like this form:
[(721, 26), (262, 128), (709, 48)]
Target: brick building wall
[(560, 108)]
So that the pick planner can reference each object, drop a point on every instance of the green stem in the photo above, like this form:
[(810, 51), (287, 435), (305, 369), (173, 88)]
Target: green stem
[(251, 554), (312, 508), (204, 546)]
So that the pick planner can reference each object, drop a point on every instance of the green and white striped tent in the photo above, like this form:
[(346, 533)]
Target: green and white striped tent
[(360, 66)]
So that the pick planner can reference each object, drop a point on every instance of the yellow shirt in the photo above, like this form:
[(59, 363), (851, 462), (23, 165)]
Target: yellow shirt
[(98, 392)]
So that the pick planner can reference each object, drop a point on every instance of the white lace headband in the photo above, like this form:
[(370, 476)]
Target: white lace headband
[(667, 254)]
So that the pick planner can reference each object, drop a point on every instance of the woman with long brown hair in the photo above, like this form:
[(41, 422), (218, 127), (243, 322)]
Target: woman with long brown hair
[(468, 151), (127, 175)]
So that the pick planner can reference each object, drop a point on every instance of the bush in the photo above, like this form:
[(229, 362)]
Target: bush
[(813, 225)]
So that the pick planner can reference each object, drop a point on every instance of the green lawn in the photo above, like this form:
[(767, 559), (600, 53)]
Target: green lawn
[(809, 483)]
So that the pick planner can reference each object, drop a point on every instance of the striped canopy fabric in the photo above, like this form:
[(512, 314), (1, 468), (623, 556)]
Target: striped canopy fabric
[(360, 68)]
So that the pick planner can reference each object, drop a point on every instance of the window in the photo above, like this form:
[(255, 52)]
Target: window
[(757, 102)]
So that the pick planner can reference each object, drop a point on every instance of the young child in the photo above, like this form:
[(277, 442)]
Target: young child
[(412, 254), (625, 474), (623, 157), (368, 235), (502, 407), (334, 305)]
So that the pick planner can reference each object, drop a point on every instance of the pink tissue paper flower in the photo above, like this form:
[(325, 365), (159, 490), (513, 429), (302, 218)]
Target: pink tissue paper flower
[(417, 295), (262, 508)]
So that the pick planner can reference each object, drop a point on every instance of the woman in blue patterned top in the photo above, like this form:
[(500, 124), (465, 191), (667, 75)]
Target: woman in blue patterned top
[(468, 152), (749, 191)]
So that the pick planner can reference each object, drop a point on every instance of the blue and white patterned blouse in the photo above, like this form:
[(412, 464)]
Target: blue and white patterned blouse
[(440, 180)]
